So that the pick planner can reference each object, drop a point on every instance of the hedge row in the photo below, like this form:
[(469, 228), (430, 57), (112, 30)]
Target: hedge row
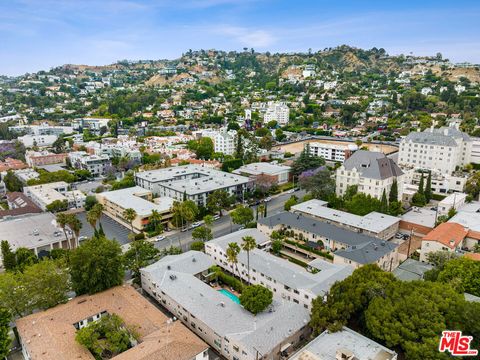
[(308, 248), (294, 260), (227, 279)]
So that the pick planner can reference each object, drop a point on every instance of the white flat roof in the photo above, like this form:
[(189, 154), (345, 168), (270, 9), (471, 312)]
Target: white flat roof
[(20, 231), (420, 216), (130, 198), (375, 222), (263, 168)]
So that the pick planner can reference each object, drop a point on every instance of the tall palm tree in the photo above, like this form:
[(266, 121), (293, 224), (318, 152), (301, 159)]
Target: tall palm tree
[(92, 218), (248, 244), (62, 220), (177, 214), (155, 218), (189, 211), (98, 209), (75, 225), (130, 215), (233, 250)]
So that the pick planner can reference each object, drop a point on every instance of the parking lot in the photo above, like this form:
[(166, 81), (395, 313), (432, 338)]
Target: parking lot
[(113, 230)]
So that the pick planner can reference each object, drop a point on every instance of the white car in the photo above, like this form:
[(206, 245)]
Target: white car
[(196, 224), (216, 217), (268, 199), (160, 238), (291, 191)]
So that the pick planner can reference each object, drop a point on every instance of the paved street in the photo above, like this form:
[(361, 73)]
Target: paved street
[(223, 225)]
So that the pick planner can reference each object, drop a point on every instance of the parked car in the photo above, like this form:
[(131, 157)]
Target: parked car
[(196, 224), (216, 217), (160, 238), (268, 199)]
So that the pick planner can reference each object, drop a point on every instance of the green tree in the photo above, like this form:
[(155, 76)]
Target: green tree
[(5, 339), (362, 204), (57, 205), (418, 199), (428, 188), (393, 194), (8, 256), (472, 186), (290, 202), (248, 244), (320, 184), (242, 215), (463, 274), (155, 220), (130, 215), (96, 265), (24, 257), (75, 225), (349, 298), (140, 254), (12, 183), (218, 200), (384, 203), (197, 246), (232, 252), (277, 246), (202, 233), (256, 298), (94, 215), (421, 185), (279, 135), (203, 148), (90, 201), (107, 337), (306, 161)]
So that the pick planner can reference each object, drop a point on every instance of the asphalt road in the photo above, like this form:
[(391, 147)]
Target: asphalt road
[(223, 225)]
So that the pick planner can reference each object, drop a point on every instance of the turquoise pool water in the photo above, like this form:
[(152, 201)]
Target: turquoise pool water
[(231, 296)]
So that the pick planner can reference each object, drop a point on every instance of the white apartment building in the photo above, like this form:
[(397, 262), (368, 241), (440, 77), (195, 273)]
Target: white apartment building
[(331, 151), (181, 284), (224, 140), (37, 140), (372, 172), (43, 195), (96, 164), (277, 111), (193, 182), (440, 150), (287, 281)]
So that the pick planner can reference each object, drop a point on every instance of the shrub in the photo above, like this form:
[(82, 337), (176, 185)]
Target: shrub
[(227, 279), (256, 298)]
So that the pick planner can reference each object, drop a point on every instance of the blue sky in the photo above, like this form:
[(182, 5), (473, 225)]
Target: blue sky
[(39, 34)]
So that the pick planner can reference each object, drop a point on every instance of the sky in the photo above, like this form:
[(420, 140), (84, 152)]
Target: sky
[(40, 34)]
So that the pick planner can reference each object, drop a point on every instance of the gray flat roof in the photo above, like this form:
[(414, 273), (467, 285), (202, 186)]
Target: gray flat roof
[(317, 227), (420, 216), (262, 168), (470, 220), (174, 275), (411, 269), (206, 179), (128, 198), (21, 231), (375, 222), (325, 346), (285, 272)]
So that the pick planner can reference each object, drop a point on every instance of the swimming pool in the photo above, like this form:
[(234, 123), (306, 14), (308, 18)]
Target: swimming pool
[(230, 295)]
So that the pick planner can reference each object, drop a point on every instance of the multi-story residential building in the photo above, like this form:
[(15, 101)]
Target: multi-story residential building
[(192, 182), (279, 174), (455, 201), (96, 164), (440, 150), (40, 158), (224, 140), (50, 334), (36, 232), (345, 344), (441, 183), (287, 281), (12, 164), (136, 198), (348, 247), (37, 140), (26, 174), (93, 124), (331, 151), (277, 111), (19, 204), (372, 173), (374, 224), (40, 130), (181, 284), (43, 195)]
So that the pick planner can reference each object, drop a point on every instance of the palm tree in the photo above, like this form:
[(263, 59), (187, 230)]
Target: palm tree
[(94, 215), (75, 225), (177, 214), (232, 256), (261, 210), (130, 215), (155, 218), (98, 209), (189, 211), (62, 220), (248, 243)]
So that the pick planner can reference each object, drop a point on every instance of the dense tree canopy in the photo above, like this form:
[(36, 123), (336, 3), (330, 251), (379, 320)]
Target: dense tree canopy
[(256, 298)]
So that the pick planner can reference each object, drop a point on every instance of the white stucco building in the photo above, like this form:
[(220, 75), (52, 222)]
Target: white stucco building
[(277, 111), (372, 172), (332, 152)]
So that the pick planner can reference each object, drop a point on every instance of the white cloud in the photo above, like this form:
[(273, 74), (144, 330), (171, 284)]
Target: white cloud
[(249, 37)]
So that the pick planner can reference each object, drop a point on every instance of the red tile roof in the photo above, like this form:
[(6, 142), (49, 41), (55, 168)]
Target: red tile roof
[(449, 234)]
